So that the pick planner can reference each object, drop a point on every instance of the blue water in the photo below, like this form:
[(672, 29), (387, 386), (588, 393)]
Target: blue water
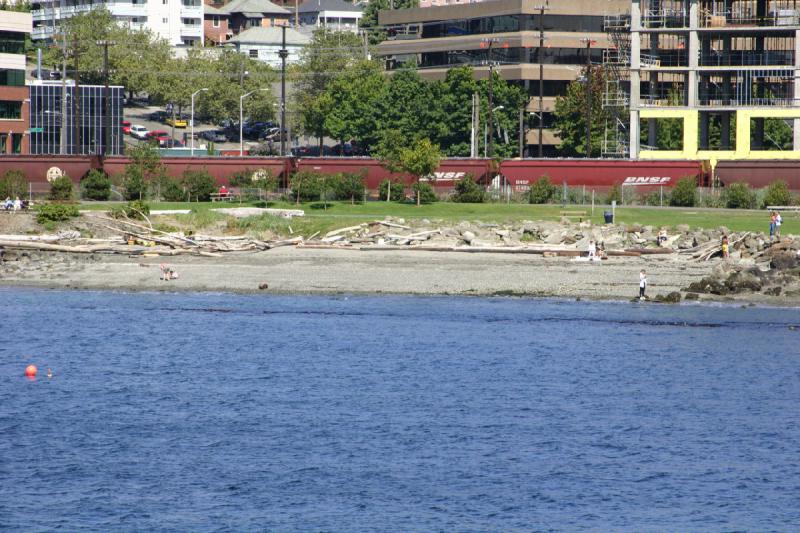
[(241, 413)]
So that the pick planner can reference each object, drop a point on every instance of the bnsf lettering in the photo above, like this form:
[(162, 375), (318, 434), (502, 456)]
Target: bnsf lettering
[(445, 176), (646, 180)]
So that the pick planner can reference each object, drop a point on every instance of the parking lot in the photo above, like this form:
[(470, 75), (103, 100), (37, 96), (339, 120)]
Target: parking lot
[(140, 116)]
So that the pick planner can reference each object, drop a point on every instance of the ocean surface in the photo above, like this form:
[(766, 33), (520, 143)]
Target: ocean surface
[(219, 412)]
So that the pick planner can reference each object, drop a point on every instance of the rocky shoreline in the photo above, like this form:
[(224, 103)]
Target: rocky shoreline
[(530, 259)]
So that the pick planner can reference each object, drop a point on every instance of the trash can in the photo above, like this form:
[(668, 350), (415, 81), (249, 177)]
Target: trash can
[(609, 216)]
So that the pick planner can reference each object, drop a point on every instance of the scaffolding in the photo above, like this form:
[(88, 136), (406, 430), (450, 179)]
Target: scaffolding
[(616, 63)]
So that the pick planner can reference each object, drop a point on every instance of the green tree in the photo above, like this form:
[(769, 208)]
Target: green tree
[(777, 193), (61, 188), (684, 194), (394, 190), (144, 170), (570, 115), (357, 97), (329, 54), (349, 186), (739, 196), (13, 184), (199, 184), (542, 191), (370, 21), (96, 185), (421, 160), (469, 192)]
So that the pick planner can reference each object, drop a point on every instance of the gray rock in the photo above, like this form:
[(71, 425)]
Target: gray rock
[(468, 237)]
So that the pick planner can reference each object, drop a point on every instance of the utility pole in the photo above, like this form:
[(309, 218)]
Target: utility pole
[(76, 103), (489, 148), (63, 79), (521, 132), (283, 53), (541, 78), (107, 98), (588, 96)]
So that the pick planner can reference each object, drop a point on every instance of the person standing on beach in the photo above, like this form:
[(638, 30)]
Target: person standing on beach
[(778, 222), (642, 284), (772, 220), (725, 251)]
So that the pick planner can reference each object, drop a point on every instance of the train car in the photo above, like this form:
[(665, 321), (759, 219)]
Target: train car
[(222, 168), (759, 173), (449, 172), (600, 173)]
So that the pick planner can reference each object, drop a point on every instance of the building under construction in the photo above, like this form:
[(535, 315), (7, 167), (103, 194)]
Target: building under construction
[(720, 76)]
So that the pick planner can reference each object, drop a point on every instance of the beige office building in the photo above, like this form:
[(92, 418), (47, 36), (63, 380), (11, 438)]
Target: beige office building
[(441, 37)]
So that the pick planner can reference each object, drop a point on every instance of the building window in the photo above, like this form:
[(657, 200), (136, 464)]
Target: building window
[(15, 78), (12, 42), (165, 20), (10, 110), (254, 54), (3, 143), (16, 143), (215, 21), (164, 2)]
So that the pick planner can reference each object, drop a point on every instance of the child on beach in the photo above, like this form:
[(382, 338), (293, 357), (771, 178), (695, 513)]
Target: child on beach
[(642, 284), (778, 222), (772, 220), (725, 253)]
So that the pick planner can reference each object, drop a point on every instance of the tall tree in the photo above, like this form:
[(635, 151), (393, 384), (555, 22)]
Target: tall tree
[(356, 99), (419, 160), (329, 54), (370, 19), (570, 115)]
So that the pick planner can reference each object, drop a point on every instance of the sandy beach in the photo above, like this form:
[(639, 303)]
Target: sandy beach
[(298, 270)]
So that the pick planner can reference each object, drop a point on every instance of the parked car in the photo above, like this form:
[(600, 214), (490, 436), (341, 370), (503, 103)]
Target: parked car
[(232, 135), (169, 142), (157, 136), (217, 136), (126, 127), (180, 121), (139, 132), (157, 116)]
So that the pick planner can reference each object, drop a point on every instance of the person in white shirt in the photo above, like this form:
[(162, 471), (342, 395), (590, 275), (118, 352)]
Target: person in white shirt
[(778, 222), (642, 284), (592, 251)]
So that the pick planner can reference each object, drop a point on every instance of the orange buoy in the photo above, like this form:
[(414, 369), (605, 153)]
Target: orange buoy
[(30, 371)]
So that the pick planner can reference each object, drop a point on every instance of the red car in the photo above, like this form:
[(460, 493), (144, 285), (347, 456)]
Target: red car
[(157, 136), (126, 127)]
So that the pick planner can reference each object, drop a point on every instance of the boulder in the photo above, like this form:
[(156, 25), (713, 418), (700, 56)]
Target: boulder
[(692, 296), (743, 281), (468, 237), (708, 286), (671, 298), (783, 260)]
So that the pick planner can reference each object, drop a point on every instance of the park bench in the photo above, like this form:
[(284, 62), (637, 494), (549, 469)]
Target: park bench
[(216, 197), (793, 208), (580, 215)]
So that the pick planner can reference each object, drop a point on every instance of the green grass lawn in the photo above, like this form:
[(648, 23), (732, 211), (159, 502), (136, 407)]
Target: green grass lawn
[(341, 214)]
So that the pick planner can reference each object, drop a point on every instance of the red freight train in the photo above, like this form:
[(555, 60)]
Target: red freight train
[(595, 173)]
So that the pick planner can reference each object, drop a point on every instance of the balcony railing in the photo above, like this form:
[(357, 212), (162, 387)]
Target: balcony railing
[(743, 58), (744, 16)]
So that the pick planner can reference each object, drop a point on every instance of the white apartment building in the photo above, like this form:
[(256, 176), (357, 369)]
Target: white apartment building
[(178, 21)]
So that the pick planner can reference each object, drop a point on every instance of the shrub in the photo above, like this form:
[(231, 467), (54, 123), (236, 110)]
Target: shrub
[(614, 194), (684, 194), (199, 184), (96, 185), (134, 183), (172, 191), (469, 192), (348, 186), (55, 212), (426, 193), (739, 196), (397, 192), (655, 198), (136, 209), (777, 193), (306, 186), (13, 184), (542, 191), (61, 188)]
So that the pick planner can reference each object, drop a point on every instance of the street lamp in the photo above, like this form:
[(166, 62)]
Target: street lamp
[(589, 44), (192, 117), (241, 119)]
